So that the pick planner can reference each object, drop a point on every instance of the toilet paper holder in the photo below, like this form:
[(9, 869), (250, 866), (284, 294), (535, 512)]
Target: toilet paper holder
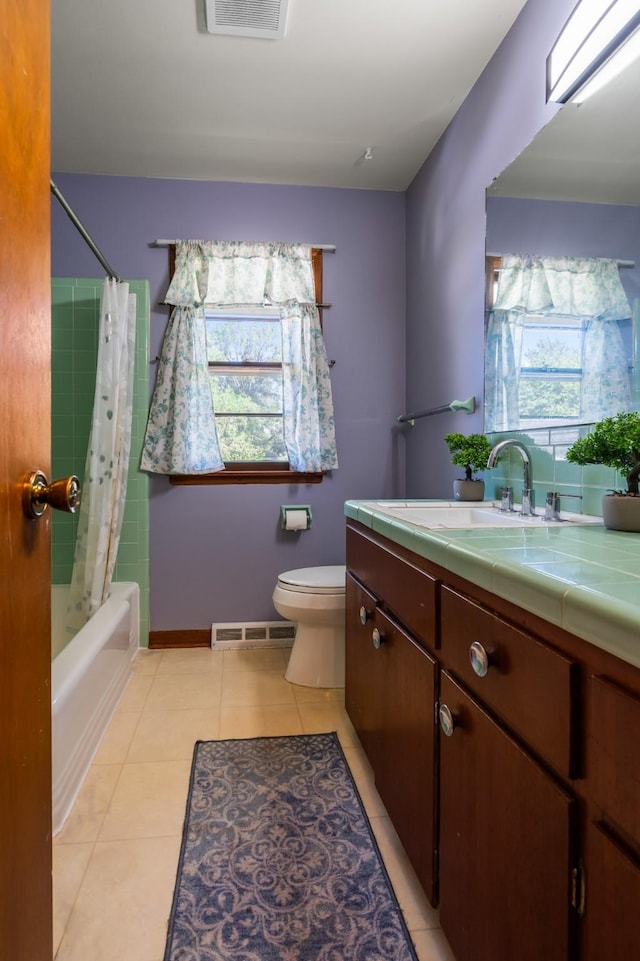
[(295, 517)]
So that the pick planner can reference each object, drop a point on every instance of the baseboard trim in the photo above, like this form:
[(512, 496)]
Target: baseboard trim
[(160, 640)]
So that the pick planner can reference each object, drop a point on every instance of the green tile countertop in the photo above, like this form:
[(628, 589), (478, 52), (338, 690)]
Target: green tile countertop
[(584, 579)]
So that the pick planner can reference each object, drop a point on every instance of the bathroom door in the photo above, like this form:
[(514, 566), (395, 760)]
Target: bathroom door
[(25, 323)]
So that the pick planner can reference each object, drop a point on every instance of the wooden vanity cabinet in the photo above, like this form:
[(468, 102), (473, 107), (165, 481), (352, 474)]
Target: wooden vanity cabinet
[(405, 768), (612, 929), (533, 769), (531, 686), (390, 691), (506, 836), (363, 672), (612, 855)]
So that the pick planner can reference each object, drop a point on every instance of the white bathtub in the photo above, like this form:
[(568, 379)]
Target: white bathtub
[(88, 677)]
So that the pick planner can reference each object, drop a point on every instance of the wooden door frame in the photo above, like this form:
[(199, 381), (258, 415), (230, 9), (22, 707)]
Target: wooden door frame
[(25, 430)]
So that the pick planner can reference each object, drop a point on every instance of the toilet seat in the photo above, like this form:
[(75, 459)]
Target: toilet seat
[(315, 580)]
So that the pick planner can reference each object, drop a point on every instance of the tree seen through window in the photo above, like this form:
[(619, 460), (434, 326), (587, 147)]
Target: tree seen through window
[(245, 365)]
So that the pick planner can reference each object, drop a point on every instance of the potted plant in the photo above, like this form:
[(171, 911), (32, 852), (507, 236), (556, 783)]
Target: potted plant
[(615, 442), (470, 451)]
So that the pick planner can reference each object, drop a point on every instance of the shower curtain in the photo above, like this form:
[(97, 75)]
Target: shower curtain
[(105, 478)]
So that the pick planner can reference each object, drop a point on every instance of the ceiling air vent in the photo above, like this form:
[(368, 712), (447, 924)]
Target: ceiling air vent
[(264, 19)]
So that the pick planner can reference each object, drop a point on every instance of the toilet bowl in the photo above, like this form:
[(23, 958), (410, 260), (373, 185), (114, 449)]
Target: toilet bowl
[(314, 597)]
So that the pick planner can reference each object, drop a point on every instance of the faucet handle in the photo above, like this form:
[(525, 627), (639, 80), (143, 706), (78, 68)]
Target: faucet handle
[(528, 501), (506, 498), (552, 506)]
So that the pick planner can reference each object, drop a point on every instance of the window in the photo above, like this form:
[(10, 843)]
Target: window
[(245, 366), (244, 347), (549, 386), (557, 339)]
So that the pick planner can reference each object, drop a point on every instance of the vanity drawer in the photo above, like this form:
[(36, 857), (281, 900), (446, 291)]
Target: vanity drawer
[(612, 754), (401, 588), (530, 686)]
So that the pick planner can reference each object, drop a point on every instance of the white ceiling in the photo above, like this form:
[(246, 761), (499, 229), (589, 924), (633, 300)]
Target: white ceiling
[(139, 88)]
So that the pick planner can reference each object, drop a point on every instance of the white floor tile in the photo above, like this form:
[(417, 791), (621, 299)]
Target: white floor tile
[(69, 866), (115, 859), (171, 735), (86, 816), (149, 801), (174, 692), (123, 905)]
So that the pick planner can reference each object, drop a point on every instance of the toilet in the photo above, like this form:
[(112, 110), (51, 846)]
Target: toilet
[(313, 597)]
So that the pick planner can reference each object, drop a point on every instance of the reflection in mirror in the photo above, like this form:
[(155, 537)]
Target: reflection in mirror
[(562, 319)]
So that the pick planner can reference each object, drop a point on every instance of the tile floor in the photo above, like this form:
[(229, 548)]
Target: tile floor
[(115, 858)]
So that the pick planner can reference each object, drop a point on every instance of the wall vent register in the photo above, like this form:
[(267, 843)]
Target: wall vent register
[(254, 634), (261, 19)]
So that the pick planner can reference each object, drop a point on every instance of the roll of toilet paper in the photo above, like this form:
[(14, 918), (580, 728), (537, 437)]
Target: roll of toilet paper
[(296, 520)]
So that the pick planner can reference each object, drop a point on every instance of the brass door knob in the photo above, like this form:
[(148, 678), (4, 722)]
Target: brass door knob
[(38, 494)]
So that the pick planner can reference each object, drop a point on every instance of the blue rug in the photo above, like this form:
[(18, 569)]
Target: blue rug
[(278, 861)]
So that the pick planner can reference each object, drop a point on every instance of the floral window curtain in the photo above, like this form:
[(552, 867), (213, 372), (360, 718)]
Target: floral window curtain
[(587, 288), (181, 436)]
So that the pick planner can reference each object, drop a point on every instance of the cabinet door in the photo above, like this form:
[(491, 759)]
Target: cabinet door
[(612, 754), (506, 837), (404, 588), (406, 770), (529, 685), (364, 682), (612, 900)]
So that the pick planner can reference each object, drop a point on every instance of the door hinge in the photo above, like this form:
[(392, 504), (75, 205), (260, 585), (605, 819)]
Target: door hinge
[(578, 889)]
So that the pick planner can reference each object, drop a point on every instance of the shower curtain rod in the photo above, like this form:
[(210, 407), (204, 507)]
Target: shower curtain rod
[(77, 223)]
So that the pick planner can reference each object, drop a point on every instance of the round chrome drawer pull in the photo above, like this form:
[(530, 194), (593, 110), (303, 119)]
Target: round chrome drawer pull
[(479, 659), (364, 615), (447, 720), (377, 639)]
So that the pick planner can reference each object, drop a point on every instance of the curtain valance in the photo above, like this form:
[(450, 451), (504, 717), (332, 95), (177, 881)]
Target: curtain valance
[(577, 286), (222, 273)]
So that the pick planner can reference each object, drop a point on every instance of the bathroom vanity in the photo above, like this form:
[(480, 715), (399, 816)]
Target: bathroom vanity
[(493, 677)]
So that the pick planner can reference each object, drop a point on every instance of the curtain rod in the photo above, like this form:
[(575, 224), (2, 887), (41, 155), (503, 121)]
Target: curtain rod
[(621, 263), (77, 223), (327, 248)]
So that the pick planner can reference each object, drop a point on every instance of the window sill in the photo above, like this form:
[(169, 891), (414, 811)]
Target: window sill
[(246, 477)]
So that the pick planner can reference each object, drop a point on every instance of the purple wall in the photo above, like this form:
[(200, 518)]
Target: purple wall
[(559, 227), (216, 551), (446, 238)]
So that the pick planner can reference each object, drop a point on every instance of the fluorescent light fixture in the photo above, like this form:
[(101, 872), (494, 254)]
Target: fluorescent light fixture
[(596, 34)]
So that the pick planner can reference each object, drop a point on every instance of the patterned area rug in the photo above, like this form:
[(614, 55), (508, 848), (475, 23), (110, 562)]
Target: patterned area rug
[(278, 862)]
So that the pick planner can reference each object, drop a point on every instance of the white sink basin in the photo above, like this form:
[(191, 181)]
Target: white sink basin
[(464, 516)]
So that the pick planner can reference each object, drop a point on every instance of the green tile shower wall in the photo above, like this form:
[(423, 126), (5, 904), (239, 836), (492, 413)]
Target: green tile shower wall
[(582, 487), (75, 308)]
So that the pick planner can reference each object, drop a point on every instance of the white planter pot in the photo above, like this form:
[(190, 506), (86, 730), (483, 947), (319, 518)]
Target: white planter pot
[(621, 513), (468, 490)]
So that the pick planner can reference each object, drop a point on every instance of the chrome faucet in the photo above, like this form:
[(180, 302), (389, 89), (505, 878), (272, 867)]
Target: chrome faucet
[(528, 499)]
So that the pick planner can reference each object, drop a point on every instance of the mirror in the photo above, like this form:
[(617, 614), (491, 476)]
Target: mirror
[(574, 192)]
